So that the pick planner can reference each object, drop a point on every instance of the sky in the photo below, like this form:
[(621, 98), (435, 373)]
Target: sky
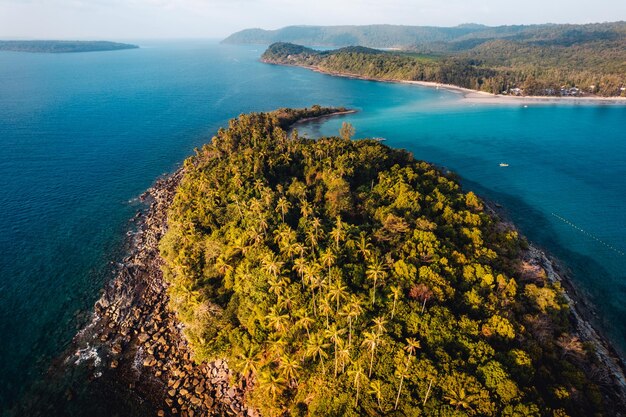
[(158, 19)]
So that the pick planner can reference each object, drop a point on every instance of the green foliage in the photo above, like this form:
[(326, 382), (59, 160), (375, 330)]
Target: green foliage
[(537, 60), (345, 278)]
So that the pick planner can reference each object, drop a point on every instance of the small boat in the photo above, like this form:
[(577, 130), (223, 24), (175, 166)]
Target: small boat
[(502, 164), (379, 139)]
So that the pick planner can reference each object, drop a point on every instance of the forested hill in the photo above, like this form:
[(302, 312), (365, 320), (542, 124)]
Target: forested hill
[(341, 277), (63, 46), (425, 37), (550, 64)]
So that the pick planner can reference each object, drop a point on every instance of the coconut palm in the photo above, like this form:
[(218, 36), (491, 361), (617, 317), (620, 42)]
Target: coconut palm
[(376, 389), (316, 348), (380, 325), (357, 377), (375, 272), (282, 206), (325, 308), (289, 369), (371, 342), (338, 292), (271, 383), (395, 291), (276, 320), (343, 354), (412, 345), (459, 397), (249, 363), (334, 334), (338, 233), (328, 259), (272, 265), (401, 373), (305, 321), (355, 309), (364, 246)]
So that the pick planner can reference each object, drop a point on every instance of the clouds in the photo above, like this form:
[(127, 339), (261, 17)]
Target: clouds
[(128, 19)]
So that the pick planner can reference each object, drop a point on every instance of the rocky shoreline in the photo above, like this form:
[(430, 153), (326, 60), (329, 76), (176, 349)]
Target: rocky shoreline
[(580, 317), (134, 340)]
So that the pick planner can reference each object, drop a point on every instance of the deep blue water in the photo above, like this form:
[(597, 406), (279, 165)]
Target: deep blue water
[(82, 135)]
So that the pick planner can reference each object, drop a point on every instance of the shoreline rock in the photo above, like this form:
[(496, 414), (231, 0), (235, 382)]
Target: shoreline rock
[(134, 341)]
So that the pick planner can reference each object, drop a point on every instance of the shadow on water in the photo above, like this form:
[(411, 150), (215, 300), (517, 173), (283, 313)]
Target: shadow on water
[(589, 279)]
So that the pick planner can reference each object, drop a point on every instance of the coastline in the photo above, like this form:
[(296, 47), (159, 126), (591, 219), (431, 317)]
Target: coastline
[(472, 96), (536, 264), (580, 316), (133, 352)]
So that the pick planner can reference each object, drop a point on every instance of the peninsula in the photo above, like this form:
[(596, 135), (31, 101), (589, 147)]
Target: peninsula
[(280, 275), (51, 46), (587, 61)]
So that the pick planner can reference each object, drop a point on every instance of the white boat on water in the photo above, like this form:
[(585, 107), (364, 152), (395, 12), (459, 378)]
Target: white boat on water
[(502, 164)]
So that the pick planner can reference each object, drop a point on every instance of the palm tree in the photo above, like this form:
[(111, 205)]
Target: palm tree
[(396, 291), (276, 347), (277, 321), (338, 232), (325, 308), (328, 259), (458, 397), (343, 354), (334, 334), (379, 325), (402, 374), (305, 321), (282, 206), (357, 375), (305, 208), (364, 246), (371, 341), (277, 286), (355, 309), (271, 383), (315, 347), (411, 346), (248, 363), (376, 390), (289, 369), (272, 265), (300, 265), (337, 293), (375, 272)]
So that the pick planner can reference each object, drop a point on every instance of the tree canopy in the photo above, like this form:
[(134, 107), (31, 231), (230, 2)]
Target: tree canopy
[(341, 277)]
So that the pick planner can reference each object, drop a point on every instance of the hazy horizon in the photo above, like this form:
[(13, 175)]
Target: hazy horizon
[(210, 19)]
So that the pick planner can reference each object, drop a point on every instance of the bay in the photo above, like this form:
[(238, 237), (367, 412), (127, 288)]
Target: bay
[(83, 135)]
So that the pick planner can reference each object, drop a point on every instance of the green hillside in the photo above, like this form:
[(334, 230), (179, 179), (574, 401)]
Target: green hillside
[(341, 277)]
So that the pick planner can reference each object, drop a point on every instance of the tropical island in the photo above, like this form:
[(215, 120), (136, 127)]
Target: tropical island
[(278, 275), (58, 47), (545, 60), (341, 277)]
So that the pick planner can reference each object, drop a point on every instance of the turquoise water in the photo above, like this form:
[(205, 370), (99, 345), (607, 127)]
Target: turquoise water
[(82, 135)]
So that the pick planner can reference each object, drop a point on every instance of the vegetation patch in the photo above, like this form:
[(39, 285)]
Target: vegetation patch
[(341, 277)]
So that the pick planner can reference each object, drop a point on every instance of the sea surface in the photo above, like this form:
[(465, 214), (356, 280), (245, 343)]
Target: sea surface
[(83, 135)]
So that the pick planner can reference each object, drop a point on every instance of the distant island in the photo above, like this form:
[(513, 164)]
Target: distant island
[(430, 38), (557, 64), (58, 47)]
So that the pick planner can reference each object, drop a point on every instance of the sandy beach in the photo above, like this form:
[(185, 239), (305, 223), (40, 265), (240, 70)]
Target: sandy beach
[(478, 97)]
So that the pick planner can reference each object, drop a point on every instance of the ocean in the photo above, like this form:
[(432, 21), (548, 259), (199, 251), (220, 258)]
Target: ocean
[(83, 135)]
